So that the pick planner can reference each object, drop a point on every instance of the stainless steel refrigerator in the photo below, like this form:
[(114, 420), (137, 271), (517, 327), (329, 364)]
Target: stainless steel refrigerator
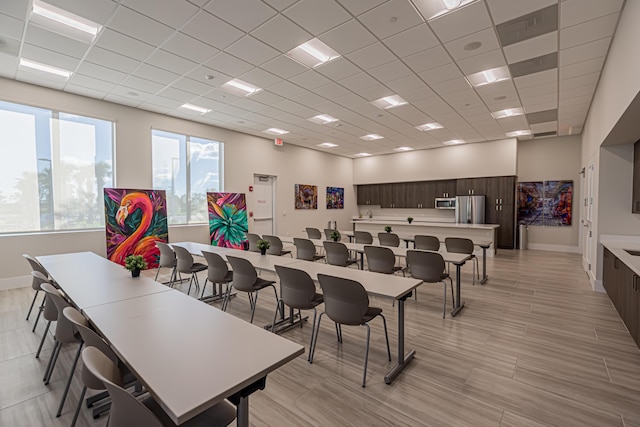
[(470, 209)]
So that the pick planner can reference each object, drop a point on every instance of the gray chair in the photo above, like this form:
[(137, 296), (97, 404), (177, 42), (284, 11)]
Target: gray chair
[(245, 279), (338, 254), (167, 259), (306, 250), (313, 233), (185, 264), (427, 243), (463, 246), (127, 411), (253, 242), (66, 333), (275, 246), (217, 273), (327, 234), (346, 302), (363, 237), (389, 239), (35, 285), (298, 291), (381, 260), (49, 310), (430, 268)]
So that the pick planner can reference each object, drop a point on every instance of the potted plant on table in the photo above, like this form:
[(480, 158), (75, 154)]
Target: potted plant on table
[(387, 229), (135, 263), (410, 219), (263, 245), (335, 235)]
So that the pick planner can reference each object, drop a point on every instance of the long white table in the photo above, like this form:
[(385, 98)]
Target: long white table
[(169, 340)]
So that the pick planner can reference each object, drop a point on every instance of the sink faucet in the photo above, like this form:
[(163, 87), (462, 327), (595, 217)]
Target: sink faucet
[(369, 214)]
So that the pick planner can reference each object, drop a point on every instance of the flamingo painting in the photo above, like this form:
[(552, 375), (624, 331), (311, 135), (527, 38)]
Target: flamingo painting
[(135, 221)]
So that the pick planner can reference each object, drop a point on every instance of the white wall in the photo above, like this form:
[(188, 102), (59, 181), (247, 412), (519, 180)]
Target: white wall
[(244, 156), (553, 159), (495, 158)]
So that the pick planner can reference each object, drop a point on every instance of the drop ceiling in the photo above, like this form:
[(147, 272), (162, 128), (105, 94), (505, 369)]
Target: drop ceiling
[(158, 55)]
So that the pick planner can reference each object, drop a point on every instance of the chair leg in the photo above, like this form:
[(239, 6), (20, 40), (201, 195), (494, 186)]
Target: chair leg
[(52, 362), (40, 310), (66, 389), (227, 296), (315, 339), (444, 304), (278, 306), (366, 356), (453, 298), (386, 335), (299, 317), (44, 336), (32, 304), (205, 287), (157, 272), (75, 416), (339, 326), (313, 331), (275, 315), (190, 281), (253, 310)]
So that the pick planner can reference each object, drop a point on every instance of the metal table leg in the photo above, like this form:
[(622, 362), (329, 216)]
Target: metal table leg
[(241, 400), (459, 303), (403, 360), (484, 264)]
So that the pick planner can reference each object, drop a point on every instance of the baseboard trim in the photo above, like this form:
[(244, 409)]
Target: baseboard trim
[(597, 286), (554, 248), (15, 282)]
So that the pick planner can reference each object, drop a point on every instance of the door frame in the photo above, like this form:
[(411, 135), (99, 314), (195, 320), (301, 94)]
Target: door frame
[(274, 186)]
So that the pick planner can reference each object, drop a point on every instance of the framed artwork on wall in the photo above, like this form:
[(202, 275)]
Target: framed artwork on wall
[(335, 198), (306, 196)]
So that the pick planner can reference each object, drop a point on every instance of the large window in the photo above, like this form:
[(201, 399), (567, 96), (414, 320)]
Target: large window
[(186, 167), (53, 169)]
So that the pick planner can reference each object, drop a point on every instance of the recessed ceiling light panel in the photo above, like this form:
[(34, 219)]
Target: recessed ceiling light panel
[(517, 133), (195, 108), (371, 137), (327, 145), (429, 126), (276, 131), (362, 154), (62, 22), (403, 149), (240, 88), (454, 142), (389, 102), (432, 9), (323, 119), (486, 77), (313, 53), (38, 68), (509, 112)]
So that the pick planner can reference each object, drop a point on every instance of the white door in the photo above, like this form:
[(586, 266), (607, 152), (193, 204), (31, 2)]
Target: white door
[(264, 213), (587, 215)]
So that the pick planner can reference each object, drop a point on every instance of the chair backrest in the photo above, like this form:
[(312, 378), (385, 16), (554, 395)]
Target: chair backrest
[(313, 233), (459, 245), (389, 239), (244, 273), (35, 266), (91, 339), (345, 300), (337, 253), (327, 234), (167, 255), (427, 243), (363, 237), (184, 259), (296, 287), (126, 410), (426, 266), (380, 259), (275, 244), (253, 242), (216, 267), (305, 249), (50, 311), (65, 331)]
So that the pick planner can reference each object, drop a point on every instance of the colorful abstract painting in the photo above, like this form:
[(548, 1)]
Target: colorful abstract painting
[(558, 197), (306, 196), (228, 224), (135, 220), (335, 198), (530, 202)]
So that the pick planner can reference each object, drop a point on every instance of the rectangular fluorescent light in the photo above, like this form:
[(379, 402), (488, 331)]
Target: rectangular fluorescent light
[(454, 142), (389, 102), (362, 154), (276, 131), (313, 53), (371, 137), (509, 112), (486, 77), (195, 108), (516, 133), (431, 9), (403, 149), (429, 126), (63, 22), (240, 88), (49, 69), (323, 119), (327, 145)]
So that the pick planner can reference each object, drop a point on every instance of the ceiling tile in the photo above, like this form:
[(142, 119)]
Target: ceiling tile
[(173, 14), (411, 41), (229, 64), (580, 68), (244, 14), (583, 80), (178, 95), (371, 56), (450, 86), (574, 12), (38, 54), (534, 65), (541, 89), (260, 78), (584, 52), (441, 74), (155, 74), (390, 18), (505, 10), (252, 50), (358, 82), (93, 83), (531, 48), (284, 67), (281, 34), (310, 79), (428, 59), (308, 98), (277, 4), (192, 86), (486, 61), (391, 71), (462, 22), (588, 31), (117, 99), (211, 30), (548, 76), (138, 26), (96, 10), (286, 89), (11, 27), (189, 48), (266, 97), (91, 93), (338, 69), (124, 45), (169, 61), (100, 72), (15, 8), (209, 76), (417, 94), (348, 37), (317, 16), (136, 83), (407, 83), (461, 48), (497, 90), (55, 42), (540, 103)]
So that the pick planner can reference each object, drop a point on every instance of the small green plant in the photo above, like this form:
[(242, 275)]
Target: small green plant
[(263, 244), (335, 235), (410, 219), (387, 229), (135, 262)]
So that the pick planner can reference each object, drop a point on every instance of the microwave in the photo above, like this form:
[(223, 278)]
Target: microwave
[(445, 202)]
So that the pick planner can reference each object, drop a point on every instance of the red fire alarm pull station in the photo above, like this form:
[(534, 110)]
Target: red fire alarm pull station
[(279, 142), (251, 188)]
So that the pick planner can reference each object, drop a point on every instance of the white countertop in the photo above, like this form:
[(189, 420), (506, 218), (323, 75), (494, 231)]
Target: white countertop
[(425, 224), (618, 244)]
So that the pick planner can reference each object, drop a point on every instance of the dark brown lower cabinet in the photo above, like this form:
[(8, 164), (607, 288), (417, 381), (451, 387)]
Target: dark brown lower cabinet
[(623, 287)]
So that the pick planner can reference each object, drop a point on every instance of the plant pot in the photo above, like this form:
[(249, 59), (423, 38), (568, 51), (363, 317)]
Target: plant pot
[(263, 251), (135, 273), (409, 221)]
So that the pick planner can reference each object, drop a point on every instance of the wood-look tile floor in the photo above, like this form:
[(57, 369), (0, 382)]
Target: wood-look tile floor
[(533, 347)]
